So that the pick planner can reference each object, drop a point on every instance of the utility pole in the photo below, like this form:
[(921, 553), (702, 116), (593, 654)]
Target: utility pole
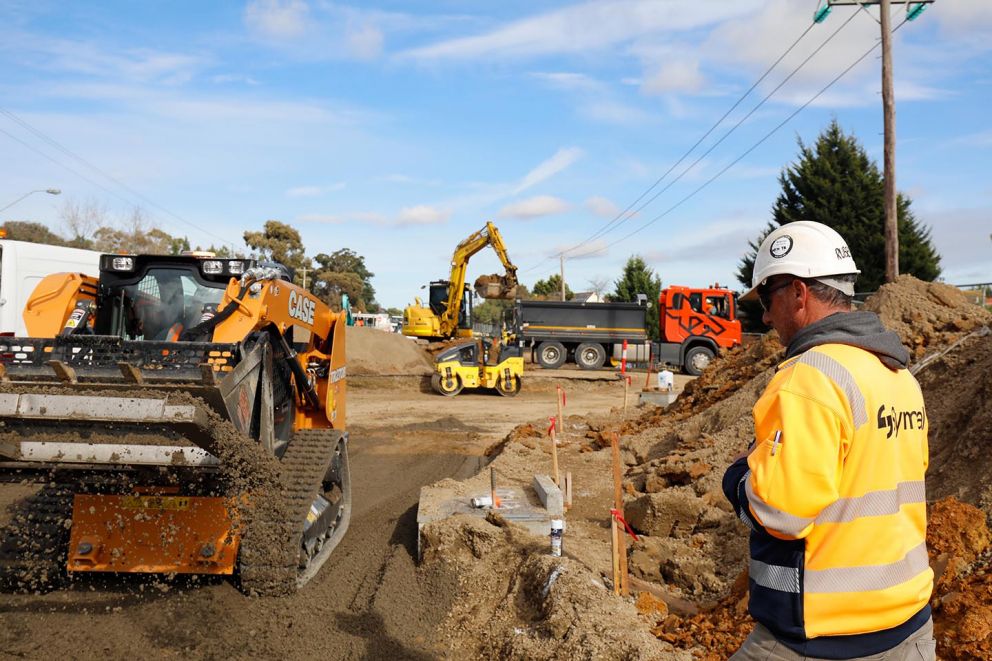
[(561, 268), (913, 9), (889, 113), (304, 270)]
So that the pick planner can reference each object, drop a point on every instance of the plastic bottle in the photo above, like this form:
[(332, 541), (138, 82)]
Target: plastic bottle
[(666, 380), (557, 528)]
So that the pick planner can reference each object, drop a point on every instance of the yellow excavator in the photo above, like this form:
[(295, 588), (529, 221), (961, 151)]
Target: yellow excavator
[(180, 415), (448, 312)]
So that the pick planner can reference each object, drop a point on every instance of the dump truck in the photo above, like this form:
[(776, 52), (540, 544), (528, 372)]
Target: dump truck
[(182, 415), (448, 313), (695, 324)]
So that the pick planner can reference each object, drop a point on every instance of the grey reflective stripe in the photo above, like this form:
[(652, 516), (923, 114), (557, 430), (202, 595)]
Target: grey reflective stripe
[(743, 506), (773, 518), (869, 578), (774, 577), (844, 380), (875, 503)]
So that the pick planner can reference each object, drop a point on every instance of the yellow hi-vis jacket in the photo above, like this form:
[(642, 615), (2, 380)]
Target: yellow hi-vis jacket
[(833, 491)]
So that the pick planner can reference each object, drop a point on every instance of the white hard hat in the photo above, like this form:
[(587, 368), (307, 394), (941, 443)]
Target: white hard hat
[(804, 249)]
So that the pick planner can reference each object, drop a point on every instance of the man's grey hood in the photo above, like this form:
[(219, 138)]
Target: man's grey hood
[(857, 329)]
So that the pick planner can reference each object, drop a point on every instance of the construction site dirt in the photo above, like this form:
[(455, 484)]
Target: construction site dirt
[(487, 588)]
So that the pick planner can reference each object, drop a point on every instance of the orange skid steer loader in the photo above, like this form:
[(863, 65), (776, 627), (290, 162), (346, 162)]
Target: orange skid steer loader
[(184, 414)]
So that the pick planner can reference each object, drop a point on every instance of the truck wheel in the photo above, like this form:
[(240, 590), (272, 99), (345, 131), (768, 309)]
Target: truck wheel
[(551, 355), (447, 387), (697, 359), (590, 355)]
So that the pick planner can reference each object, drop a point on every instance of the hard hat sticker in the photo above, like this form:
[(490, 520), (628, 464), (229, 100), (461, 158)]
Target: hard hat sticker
[(781, 246)]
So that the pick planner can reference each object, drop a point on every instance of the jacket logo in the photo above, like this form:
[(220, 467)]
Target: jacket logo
[(893, 420), (301, 307)]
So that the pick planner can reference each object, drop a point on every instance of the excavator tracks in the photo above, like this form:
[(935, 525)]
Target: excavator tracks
[(273, 558)]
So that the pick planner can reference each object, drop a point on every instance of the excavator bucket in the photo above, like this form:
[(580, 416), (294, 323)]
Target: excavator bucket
[(495, 287)]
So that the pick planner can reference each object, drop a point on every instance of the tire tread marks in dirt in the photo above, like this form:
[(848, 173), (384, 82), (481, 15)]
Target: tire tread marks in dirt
[(270, 550)]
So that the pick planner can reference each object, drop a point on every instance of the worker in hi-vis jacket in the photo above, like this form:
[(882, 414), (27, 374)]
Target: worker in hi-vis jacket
[(832, 488)]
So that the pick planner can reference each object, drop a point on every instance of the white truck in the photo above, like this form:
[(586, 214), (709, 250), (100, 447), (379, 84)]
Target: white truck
[(23, 265)]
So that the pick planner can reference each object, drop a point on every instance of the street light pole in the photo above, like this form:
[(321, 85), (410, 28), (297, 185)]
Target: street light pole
[(50, 191)]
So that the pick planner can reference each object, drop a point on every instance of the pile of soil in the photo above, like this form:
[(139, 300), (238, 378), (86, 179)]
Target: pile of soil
[(927, 316), (378, 353)]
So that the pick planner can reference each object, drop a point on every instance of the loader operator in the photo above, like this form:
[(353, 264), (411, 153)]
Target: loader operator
[(832, 488)]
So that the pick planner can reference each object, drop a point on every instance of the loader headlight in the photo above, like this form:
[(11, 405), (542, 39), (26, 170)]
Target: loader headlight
[(212, 267), (235, 268), (122, 263)]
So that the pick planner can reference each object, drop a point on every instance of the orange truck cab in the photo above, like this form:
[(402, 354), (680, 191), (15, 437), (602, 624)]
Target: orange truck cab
[(696, 324)]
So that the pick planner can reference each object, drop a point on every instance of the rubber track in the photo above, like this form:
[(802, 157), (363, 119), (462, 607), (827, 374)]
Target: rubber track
[(33, 547), (302, 469)]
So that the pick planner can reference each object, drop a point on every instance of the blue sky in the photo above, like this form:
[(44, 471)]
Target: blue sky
[(397, 129)]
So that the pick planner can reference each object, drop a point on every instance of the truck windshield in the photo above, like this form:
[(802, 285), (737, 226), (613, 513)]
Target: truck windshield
[(162, 304)]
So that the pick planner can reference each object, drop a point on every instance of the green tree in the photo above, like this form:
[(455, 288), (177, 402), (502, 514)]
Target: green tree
[(344, 272), (493, 310), (279, 242), (639, 278), (551, 289), (19, 230), (835, 183)]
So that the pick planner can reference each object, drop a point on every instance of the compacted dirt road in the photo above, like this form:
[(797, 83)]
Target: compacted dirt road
[(366, 603)]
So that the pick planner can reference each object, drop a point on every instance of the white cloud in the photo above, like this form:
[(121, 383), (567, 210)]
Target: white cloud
[(589, 250), (562, 159), (583, 27), (535, 207), (314, 191), (277, 19), (602, 207), (364, 42), (569, 81), (222, 79), (957, 16), (422, 214), (680, 75)]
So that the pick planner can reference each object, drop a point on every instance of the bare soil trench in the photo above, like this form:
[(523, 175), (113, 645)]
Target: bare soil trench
[(368, 602)]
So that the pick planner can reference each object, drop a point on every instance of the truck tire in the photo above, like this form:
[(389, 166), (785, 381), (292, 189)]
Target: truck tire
[(551, 355), (697, 359), (590, 355)]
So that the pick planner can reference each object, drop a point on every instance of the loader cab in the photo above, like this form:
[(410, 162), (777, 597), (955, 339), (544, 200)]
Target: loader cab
[(144, 297)]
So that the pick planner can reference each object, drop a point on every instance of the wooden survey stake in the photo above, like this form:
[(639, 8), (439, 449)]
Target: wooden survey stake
[(559, 396), (621, 543), (554, 454)]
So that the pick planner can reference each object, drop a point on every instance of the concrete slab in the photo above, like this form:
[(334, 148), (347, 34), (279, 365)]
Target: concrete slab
[(657, 397), (517, 504)]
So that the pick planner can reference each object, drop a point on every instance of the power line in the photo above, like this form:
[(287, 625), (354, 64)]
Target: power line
[(754, 146), (740, 100), (54, 143)]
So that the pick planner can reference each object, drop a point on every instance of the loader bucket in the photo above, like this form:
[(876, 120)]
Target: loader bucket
[(495, 287), (105, 407)]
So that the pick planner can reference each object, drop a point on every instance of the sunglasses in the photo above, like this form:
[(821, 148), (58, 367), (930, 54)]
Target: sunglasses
[(765, 294)]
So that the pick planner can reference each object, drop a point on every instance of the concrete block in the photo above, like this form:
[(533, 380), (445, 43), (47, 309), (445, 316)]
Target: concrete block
[(550, 495), (657, 397)]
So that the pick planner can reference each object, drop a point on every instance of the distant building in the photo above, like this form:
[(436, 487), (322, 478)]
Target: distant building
[(586, 297)]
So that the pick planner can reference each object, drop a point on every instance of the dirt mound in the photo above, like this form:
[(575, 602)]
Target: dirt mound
[(957, 389), (926, 315), (377, 353)]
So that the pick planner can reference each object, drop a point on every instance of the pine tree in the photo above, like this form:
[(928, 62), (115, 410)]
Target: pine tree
[(638, 278), (835, 183)]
